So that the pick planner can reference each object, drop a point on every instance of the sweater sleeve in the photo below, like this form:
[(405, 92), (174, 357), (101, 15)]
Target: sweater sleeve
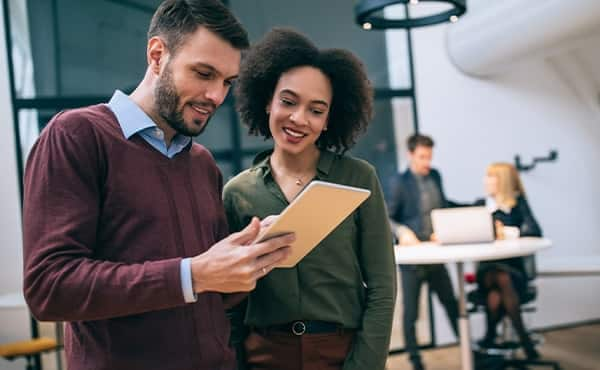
[(397, 202), (63, 280)]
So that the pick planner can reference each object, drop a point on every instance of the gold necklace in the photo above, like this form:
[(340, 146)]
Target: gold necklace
[(298, 180)]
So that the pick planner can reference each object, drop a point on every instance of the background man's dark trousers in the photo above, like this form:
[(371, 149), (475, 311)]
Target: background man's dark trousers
[(436, 276)]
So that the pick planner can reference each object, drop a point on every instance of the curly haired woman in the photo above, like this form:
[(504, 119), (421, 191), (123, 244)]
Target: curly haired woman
[(334, 309)]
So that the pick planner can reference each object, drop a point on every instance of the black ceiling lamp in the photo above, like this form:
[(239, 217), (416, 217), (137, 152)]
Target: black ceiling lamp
[(370, 14), (365, 14)]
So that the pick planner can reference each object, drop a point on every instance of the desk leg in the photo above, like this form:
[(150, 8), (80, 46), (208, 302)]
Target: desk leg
[(463, 322)]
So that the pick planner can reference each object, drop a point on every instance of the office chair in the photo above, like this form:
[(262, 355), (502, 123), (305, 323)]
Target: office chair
[(32, 349), (28, 349), (502, 355)]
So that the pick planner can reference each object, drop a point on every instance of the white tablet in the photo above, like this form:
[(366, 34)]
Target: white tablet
[(312, 215)]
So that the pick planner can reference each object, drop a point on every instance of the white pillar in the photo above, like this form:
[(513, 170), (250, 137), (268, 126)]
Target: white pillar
[(14, 322)]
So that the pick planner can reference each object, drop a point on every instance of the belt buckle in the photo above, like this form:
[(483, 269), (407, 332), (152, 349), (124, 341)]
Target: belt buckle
[(298, 328)]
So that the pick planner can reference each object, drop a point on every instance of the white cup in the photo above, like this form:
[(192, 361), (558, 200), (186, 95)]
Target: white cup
[(511, 232)]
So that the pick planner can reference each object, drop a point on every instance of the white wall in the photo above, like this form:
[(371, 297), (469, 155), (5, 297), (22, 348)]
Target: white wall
[(13, 322), (526, 111)]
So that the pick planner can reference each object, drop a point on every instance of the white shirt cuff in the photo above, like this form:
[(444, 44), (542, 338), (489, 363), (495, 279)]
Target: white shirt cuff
[(186, 281)]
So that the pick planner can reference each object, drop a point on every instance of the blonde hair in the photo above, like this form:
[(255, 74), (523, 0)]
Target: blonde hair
[(509, 183)]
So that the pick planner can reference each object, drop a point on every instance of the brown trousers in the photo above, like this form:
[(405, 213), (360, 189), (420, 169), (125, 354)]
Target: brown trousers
[(284, 351)]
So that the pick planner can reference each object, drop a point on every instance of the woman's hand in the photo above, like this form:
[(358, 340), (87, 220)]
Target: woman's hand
[(499, 230)]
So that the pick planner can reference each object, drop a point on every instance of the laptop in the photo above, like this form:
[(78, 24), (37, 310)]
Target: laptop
[(462, 225)]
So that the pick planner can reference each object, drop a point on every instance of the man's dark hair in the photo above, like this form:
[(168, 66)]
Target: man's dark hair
[(419, 140), (174, 20), (284, 49)]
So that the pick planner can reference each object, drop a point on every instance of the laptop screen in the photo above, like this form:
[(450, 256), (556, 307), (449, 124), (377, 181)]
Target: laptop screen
[(462, 225)]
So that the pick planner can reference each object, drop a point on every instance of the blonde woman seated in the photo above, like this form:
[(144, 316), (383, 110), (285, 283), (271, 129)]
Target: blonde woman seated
[(504, 282)]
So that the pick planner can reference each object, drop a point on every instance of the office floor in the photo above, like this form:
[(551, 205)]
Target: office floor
[(575, 348)]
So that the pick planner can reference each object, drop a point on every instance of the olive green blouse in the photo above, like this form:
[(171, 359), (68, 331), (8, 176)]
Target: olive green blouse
[(349, 278)]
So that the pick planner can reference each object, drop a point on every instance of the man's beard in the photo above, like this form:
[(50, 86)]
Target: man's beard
[(167, 103)]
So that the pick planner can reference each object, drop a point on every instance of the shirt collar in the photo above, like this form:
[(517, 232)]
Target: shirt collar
[(133, 119), (262, 161), (492, 206), (418, 176)]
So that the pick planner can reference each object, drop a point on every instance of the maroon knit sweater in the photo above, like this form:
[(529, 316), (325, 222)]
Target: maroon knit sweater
[(106, 222)]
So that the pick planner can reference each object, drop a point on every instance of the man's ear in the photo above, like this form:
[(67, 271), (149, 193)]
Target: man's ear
[(156, 54)]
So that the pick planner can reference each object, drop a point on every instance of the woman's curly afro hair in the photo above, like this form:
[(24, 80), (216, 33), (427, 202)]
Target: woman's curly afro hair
[(284, 49)]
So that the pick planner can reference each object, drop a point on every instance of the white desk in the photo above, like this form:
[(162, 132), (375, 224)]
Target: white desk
[(432, 253)]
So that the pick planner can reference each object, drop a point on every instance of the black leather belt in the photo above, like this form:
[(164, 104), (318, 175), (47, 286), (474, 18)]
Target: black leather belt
[(302, 327)]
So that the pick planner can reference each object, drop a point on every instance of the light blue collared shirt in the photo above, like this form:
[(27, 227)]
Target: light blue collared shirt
[(133, 120)]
